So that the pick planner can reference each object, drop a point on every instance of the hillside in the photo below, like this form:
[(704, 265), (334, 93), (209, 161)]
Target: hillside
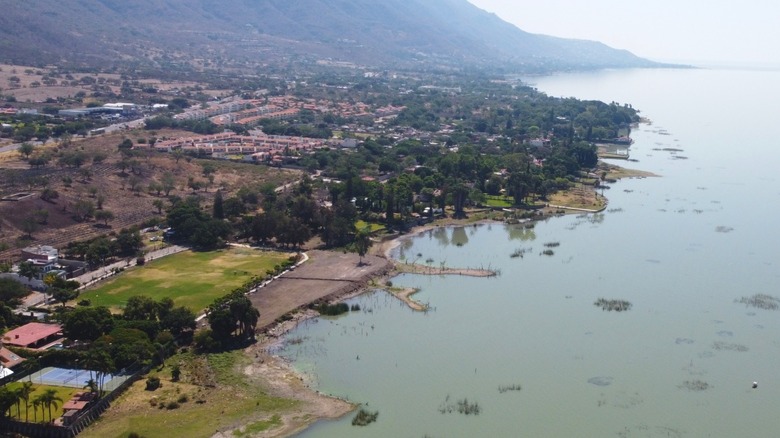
[(57, 219), (428, 33)]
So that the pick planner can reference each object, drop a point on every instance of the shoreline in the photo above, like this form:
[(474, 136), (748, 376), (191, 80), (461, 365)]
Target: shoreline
[(281, 377)]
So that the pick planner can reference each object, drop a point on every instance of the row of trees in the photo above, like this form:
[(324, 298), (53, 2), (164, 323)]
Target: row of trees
[(45, 400)]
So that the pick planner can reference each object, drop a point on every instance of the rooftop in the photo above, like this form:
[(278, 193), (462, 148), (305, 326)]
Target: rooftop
[(30, 333)]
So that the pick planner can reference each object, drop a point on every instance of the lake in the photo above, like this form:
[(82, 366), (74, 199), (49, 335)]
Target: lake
[(530, 349)]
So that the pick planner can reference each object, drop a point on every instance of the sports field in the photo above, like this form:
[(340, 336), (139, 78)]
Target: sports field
[(191, 279)]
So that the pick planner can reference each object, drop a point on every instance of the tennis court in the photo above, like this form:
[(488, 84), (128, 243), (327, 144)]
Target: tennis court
[(73, 378)]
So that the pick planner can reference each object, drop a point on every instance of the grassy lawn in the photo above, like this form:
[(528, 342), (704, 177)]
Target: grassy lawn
[(499, 201), (56, 411), (191, 279), (215, 395), (373, 226)]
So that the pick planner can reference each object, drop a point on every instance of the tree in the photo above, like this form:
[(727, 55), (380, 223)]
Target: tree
[(24, 392), (126, 144), (158, 204), (129, 242), (11, 291), (168, 182), (87, 323), (84, 209), (63, 295), (178, 320), (140, 307), (362, 242), (30, 225), (104, 215), (28, 269), (217, 210), (49, 194), (7, 399), (48, 399), (26, 149), (98, 251)]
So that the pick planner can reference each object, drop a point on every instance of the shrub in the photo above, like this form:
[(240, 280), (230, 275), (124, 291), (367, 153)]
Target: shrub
[(172, 405), (183, 398), (333, 309), (152, 383), (364, 418)]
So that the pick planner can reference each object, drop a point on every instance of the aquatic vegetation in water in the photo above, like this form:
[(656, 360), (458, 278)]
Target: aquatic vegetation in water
[(695, 385), (723, 229), (332, 309), (552, 244), (519, 252), (720, 345), (760, 301), (610, 305), (364, 417), (462, 406), (548, 252), (506, 388)]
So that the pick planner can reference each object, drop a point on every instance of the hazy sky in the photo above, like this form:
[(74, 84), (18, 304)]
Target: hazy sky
[(692, 31)]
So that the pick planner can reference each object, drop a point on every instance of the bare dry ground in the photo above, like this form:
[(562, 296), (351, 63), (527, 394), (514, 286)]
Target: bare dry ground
[(107, 179), (327, 275)]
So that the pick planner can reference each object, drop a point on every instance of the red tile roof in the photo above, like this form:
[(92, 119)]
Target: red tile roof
[(30, 333), (9, 359)]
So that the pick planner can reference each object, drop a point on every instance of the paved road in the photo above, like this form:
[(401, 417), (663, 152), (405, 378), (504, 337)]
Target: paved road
[(15, 146), (132, 124), (107, 271)]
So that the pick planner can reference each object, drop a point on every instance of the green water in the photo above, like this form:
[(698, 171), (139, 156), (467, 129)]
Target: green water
[(681, 248)]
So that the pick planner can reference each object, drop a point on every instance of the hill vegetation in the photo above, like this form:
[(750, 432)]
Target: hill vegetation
[(205, 34)]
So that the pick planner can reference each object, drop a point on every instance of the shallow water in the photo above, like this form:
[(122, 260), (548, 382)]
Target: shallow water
[(681, 248)]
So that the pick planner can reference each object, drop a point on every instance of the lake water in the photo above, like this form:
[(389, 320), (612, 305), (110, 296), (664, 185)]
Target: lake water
[(681, 248)]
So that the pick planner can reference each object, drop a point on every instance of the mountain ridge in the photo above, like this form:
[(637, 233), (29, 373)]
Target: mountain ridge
[(453, 33)]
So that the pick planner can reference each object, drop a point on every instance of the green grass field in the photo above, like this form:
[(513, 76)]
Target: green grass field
[(42, 413), (191, 279), (373, 226), (499, 201)]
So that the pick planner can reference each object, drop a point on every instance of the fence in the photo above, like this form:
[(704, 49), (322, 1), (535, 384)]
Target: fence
[(49, 430)]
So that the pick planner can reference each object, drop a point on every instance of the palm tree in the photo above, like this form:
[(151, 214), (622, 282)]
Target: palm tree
[(49, 398), (36, 404), (92, 385), (24, 394), (18, 395), (7, 400)]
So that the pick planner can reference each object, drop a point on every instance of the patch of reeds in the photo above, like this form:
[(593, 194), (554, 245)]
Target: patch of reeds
[(552, 244), (519, 252), (332, 309), (695, 385), (548, 252), (506, 388), (760, 301), (364, 417), (721, 346), (462, 406), (610, 305)]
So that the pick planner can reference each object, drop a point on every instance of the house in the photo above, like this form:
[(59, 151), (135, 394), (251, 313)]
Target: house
[(33, 335), (9, 359), (40, 254)]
